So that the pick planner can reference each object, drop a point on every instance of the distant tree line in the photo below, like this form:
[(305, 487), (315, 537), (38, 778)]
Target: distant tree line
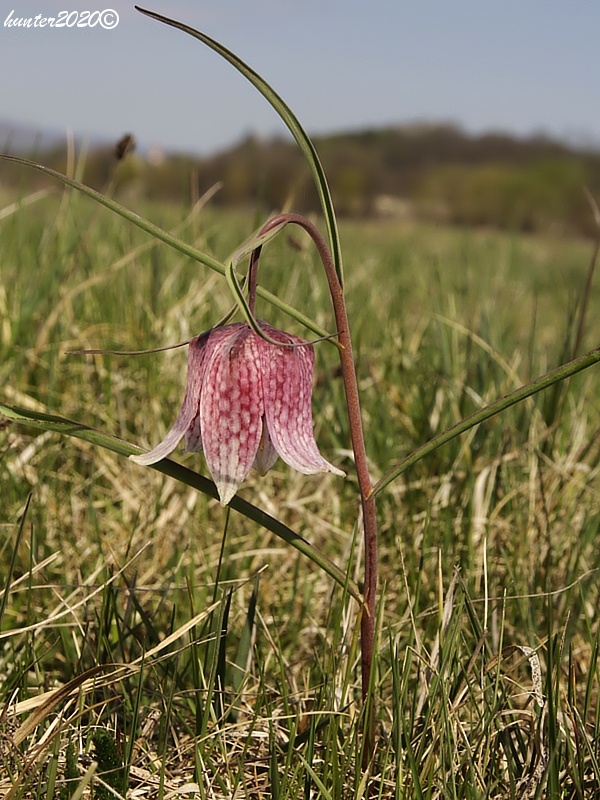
[(433, 172)]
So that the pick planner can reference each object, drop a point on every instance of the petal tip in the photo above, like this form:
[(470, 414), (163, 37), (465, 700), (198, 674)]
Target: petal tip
[(327, 467), (144, 459), (335, 470), (226, 494)]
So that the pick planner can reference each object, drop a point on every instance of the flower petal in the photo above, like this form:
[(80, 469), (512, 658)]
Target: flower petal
[(266, 455), (187, 423), (231, 410), (287, 388), (216, 336)]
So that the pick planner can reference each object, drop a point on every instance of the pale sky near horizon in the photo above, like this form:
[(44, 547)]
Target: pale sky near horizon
[(522, 66)]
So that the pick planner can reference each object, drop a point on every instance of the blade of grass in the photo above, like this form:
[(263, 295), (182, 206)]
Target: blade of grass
[(511, 399), (221, 662), (241, 664), (187, 476), (164, 236), (287, 116), (13, 560)]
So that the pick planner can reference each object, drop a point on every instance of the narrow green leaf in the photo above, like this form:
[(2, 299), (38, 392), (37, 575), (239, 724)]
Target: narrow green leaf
[(511, 399), (164, 236), (242, 660), (145, 225), (287, 116), (62, 425), (240, 299), (237, 289), (13, 561), (235, 286), (275, 783), (221, 661)]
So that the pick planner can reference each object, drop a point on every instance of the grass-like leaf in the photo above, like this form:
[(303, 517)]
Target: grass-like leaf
[(544, 382), (50, 422), (164, 236), (287, 116)]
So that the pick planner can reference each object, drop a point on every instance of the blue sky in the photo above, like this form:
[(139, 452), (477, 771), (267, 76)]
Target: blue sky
[(523, 66)]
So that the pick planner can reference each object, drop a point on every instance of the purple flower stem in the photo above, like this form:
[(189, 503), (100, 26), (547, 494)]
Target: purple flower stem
[(368, 614)]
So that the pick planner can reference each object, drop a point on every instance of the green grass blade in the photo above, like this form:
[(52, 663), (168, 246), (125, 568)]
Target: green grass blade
[(50, 422), (122, 211), (511, 399), (275, 784), (164, 236), (241, 664), (13, 561), (287, 116), (236, 289), (221, 661)]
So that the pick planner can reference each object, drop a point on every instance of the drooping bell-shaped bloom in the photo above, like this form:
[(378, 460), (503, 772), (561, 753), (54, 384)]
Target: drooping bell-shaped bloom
[(247, 402)]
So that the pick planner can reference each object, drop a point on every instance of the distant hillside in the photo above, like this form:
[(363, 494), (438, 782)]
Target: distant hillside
[(436, 172)]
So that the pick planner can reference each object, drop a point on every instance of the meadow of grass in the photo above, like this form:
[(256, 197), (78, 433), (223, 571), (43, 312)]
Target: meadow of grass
[(156, 644)]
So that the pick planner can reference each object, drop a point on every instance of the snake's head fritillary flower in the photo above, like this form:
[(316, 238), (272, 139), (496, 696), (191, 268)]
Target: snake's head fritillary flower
[(247, 402)]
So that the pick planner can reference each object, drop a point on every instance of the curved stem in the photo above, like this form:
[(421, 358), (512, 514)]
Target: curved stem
[(253, 272), (358, 445)]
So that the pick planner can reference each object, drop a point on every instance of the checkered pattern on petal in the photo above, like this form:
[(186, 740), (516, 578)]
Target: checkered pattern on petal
[(231, 410), (246, 402), (287, 374), (187, 423)]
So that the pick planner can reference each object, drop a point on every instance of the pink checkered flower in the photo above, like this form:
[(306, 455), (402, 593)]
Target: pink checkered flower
[(247, 402)]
